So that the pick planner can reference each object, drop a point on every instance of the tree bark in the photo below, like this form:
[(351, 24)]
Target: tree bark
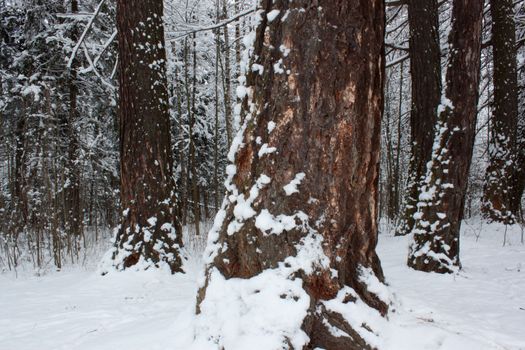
[(73, 212), (192, 158), (305, 173), (498, 204), (227, 77), (442, 195), (150, 232), (425, 70)]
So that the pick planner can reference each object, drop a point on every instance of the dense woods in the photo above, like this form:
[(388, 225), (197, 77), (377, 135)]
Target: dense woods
[(302, 129)]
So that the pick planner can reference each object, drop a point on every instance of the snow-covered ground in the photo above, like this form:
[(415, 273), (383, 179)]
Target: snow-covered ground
[(483, 307)]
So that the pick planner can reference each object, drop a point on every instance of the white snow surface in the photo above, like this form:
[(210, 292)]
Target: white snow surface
[(481, 307)]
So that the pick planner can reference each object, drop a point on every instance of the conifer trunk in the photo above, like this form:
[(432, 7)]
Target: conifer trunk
[(305, 173), (425, 70), (442, 191), (73, 212), (498, 203), (227, 77), (150, 232)]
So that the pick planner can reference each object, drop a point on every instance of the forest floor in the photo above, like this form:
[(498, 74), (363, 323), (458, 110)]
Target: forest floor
[(482, 307)]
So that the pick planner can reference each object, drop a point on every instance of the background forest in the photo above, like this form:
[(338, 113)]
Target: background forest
[(271, 174), (59, 153)]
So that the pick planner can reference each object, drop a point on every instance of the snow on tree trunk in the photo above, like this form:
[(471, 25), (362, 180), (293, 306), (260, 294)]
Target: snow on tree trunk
[(425, 70), (150, 232), (442, 195), (291, 258), (497, 203)]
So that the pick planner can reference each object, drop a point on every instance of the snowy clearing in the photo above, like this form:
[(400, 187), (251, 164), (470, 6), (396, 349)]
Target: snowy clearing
[(483, 307)]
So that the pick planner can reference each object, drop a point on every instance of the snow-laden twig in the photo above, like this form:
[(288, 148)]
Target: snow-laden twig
[(105, 47), (84, 33), (114, 71), (99, 56), (397, 60), (213, 26), (92, 68)]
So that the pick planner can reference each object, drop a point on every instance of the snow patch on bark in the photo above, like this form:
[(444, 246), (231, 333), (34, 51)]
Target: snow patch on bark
[(263, 312), (291, 188), (366, 321)]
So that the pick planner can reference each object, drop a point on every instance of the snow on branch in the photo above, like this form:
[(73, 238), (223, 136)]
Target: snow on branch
[(86, 30), (213, 26), (92, 67), (397, 60), (99, 56)]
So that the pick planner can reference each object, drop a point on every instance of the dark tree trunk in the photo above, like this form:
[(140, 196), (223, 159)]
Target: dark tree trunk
[(442, 196), (517, 186), (73, 214), (306, 173), (19, 198), (195, 196), (227, 76), (425, 70), (497, 201), (150, 231), (518, 174)]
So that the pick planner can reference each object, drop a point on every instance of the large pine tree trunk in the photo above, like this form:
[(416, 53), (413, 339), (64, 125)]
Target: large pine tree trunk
[(425, 70), (301, 207), (149, 232), (442, 196), (498, 193)]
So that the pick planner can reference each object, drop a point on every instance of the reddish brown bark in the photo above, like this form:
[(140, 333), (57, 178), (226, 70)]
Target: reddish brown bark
[(318, 75), (149, 229), (442, 197)]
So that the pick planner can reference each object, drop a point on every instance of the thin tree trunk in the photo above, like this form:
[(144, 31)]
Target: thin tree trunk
[(442, 197), (216, 126), (73, 214), (227, 77), (302, 195), (190, 126), (389, 181), (150, 232), (193, 165), (397, 170), (238, 39), (19, 198)]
